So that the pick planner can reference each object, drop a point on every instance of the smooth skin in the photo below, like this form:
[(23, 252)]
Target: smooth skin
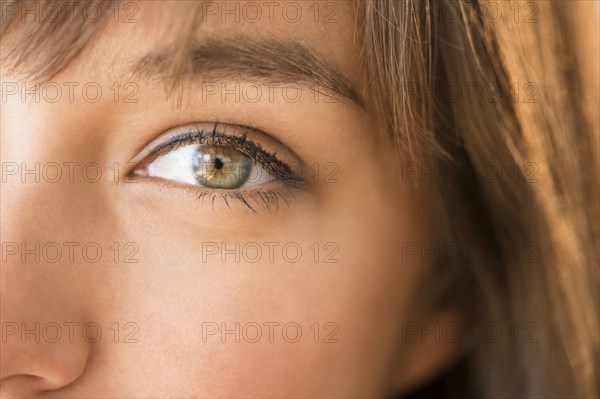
[(172, 296)]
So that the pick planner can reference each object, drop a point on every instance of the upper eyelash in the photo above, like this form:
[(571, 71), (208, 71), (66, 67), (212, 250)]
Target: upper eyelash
[(268, 161)]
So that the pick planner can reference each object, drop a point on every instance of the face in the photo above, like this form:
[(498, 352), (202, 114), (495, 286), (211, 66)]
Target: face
[(239, 236)]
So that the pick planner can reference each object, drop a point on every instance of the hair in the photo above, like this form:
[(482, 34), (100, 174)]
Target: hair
[(556, 135), (550, 127)]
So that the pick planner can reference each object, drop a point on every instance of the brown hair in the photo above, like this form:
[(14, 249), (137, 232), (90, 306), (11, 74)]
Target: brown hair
[(413, 47), (554, 134)]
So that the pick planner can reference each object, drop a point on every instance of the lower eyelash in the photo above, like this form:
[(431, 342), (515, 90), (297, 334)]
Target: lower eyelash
[(255, 200), (258, 199)]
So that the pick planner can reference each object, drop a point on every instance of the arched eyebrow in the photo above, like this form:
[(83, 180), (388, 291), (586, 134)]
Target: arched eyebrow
[(269, 61)]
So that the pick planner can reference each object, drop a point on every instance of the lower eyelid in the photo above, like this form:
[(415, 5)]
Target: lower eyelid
[(270, 197), (256, 200)]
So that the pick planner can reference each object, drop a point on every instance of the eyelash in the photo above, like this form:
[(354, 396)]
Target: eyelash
[(265, 199)]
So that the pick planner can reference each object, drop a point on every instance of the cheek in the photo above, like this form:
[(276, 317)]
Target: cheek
[(303, 303)]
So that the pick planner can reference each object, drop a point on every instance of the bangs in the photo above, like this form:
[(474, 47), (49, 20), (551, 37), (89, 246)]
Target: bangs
[(41, 38)]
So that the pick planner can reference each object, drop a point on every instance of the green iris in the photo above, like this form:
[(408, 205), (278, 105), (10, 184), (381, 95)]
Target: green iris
[(221, 167)]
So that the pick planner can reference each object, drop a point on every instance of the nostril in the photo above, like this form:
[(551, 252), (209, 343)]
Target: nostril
[(30, 369), (22, 385)]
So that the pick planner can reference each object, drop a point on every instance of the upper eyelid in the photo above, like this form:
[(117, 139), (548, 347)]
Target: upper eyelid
[(195, 137)]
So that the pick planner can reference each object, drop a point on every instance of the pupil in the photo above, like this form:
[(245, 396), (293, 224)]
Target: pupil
[(218, 163)]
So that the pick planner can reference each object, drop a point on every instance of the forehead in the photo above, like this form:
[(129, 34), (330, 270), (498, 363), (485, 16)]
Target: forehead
[(134, 29)]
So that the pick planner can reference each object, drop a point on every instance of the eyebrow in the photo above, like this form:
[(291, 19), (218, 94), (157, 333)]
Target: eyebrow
[(269, 61)]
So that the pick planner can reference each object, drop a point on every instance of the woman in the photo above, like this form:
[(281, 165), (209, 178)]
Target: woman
[(299, 199)]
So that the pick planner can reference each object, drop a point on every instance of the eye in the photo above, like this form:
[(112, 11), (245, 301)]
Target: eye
[(215, 160), (210, 166)]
